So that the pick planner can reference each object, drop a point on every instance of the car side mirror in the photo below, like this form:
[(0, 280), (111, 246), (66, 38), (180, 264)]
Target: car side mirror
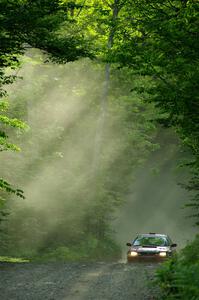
[(128, 244), (173, 245)]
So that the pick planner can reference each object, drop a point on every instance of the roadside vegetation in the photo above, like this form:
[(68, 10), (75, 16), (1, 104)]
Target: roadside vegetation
[(178, 278), (8, 259)]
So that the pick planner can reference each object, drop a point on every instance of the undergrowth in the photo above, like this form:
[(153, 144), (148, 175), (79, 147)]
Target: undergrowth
[(178, 278)]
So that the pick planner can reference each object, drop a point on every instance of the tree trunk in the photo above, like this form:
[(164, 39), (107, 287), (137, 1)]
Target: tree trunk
[(104, 99)]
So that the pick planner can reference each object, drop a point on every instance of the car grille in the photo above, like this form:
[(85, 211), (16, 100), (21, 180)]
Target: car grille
[(147, 253)]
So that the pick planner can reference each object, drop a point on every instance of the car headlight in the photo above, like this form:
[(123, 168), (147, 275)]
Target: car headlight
[(163, 254), (133, 253)]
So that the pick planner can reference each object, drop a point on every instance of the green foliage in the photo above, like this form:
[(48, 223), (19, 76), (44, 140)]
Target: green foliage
[(181, 283), (36, 24), (190, 252), (159, 39), (89, 249), (178, 278), (6, 121), (5, 145), (9, 259), (10, 122), (8, 188)]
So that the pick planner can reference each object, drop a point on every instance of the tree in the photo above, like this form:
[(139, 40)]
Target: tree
[(26, 24), (160, 42)]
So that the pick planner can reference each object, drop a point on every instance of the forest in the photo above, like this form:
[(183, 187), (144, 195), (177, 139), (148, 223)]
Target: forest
[(93, 94)]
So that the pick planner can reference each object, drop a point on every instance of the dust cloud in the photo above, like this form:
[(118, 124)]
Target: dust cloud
[(156, 202), (66, 201)]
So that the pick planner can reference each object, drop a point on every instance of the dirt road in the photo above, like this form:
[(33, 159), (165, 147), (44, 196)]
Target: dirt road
[(74, 281)]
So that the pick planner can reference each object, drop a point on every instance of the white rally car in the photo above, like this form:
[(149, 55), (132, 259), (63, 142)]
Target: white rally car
[(150, 247)]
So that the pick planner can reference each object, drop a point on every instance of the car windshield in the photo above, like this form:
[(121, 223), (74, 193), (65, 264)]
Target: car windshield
[(151, 241)]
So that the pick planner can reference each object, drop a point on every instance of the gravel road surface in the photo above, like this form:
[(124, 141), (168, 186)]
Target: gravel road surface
[(76, 281)]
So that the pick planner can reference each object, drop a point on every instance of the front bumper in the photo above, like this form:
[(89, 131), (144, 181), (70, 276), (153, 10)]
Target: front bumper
[(146, 257)]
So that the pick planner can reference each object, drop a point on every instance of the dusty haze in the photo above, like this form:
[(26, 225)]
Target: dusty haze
[(61, 104), (156, 201)]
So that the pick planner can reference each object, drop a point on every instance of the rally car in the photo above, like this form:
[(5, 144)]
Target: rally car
[(150, 247)]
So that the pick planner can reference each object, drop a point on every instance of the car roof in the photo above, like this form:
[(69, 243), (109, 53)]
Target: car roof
[(153, 235)]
